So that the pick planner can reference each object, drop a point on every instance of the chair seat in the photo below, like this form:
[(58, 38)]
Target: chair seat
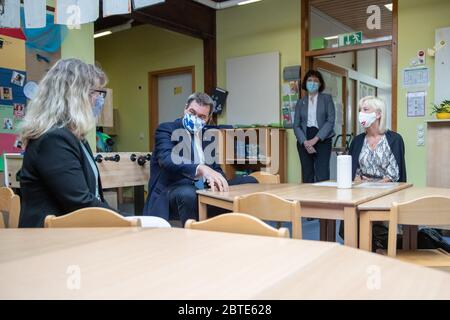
[(435, 258)]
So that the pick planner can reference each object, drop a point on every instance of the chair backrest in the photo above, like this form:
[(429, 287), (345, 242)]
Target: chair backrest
[(266, 206), (9, 204), (90, 218), (430, 211), (237, 223), (266, 178)]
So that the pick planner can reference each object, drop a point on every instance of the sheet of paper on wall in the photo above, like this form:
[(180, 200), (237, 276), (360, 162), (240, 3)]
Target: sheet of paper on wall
[(74, 13), (10, 14), (416, 77), (137, 4), (416, 103), (35, 13), (112, 7)]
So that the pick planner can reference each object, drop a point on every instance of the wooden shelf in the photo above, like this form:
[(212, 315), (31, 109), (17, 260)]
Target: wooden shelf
[(232, 165), (439, 121)]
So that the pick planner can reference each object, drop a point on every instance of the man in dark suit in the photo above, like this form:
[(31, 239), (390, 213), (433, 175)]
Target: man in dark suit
[(181, 163)]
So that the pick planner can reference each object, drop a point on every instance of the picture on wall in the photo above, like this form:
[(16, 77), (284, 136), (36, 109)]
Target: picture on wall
[(19, 110), (8, 124), (18, 78), (290, 98), (6, 93)]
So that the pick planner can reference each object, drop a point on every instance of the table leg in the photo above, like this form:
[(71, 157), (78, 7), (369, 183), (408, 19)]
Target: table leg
[(331, 230), (350, 227), (120, 195), (406, 237), (365, 232), (323, 229), (413, 237), (138, 200), (202, 209)]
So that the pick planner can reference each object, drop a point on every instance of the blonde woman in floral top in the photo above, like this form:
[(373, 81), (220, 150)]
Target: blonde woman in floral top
[(377, 154)]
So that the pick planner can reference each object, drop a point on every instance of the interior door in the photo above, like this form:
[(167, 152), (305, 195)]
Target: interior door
[(173, 91), (168, 93)]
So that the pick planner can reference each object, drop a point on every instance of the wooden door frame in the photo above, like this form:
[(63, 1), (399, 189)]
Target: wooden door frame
[(307, 55), (153, 111)]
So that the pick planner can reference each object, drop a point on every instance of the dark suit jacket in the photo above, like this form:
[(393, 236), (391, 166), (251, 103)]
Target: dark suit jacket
[(165, 173), (325, 117), (396, 144), (56, 178)]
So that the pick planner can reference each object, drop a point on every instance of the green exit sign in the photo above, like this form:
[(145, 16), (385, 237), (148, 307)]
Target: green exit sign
[(350, 39)]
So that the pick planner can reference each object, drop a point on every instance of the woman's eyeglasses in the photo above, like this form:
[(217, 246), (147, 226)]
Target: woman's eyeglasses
[(99, 92)]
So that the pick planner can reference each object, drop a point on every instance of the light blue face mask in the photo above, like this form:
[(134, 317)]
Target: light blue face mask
[(312, 86), (98, 106), (192, 123)]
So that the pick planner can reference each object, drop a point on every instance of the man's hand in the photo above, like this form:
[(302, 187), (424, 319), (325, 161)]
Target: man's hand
[(214, 179)]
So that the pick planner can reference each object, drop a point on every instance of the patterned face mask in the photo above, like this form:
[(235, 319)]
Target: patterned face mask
[(366, 119), (193, 123)]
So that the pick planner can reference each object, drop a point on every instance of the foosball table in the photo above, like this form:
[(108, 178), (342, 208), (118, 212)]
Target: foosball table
[(117, 170)]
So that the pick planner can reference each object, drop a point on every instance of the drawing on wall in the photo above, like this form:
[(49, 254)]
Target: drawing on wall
[(6, 93), (19, 110), (289, 101)]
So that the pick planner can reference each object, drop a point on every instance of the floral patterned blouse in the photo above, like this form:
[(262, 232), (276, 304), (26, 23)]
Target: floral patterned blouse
[(379, 163)]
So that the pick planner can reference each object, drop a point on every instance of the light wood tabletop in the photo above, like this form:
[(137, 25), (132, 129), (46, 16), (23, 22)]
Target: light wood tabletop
[(323, 202), (378, 210), (183, 264)]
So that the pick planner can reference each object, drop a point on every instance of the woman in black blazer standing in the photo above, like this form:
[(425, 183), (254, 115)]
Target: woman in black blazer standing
[(59, 174), (314, 128)]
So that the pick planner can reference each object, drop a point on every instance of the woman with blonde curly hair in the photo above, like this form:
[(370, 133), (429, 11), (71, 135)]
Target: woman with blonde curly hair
[(59, 174)]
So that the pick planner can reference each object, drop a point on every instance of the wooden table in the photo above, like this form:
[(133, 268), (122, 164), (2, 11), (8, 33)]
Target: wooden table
[(316, 201), (132, 263), (378, 210)]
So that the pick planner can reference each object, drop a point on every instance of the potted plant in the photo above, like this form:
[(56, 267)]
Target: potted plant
[(442, 110)]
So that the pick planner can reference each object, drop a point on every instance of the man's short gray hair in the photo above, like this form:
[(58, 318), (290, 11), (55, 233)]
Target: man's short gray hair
[(202, 99)]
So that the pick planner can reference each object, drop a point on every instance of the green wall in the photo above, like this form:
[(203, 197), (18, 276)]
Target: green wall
[(127, 57), (79, 43), (266, 26), (420, 18)]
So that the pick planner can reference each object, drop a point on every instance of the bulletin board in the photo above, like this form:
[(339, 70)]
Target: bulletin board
[(12, 79), (253, 83), (19, 64)]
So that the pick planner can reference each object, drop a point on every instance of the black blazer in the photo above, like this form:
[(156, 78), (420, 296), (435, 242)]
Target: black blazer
[(56, 178), (396, 144)]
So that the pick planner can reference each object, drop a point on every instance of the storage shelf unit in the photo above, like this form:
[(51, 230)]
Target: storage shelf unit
[(257, 149)]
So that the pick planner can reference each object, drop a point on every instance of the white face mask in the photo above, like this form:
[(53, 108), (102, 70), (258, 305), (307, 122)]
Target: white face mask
[(367, 119)]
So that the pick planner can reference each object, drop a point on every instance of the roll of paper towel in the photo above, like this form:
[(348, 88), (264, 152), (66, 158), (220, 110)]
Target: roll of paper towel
[(344, 172)]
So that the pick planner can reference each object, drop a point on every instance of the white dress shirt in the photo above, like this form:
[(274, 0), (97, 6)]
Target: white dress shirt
[(312, 111)]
